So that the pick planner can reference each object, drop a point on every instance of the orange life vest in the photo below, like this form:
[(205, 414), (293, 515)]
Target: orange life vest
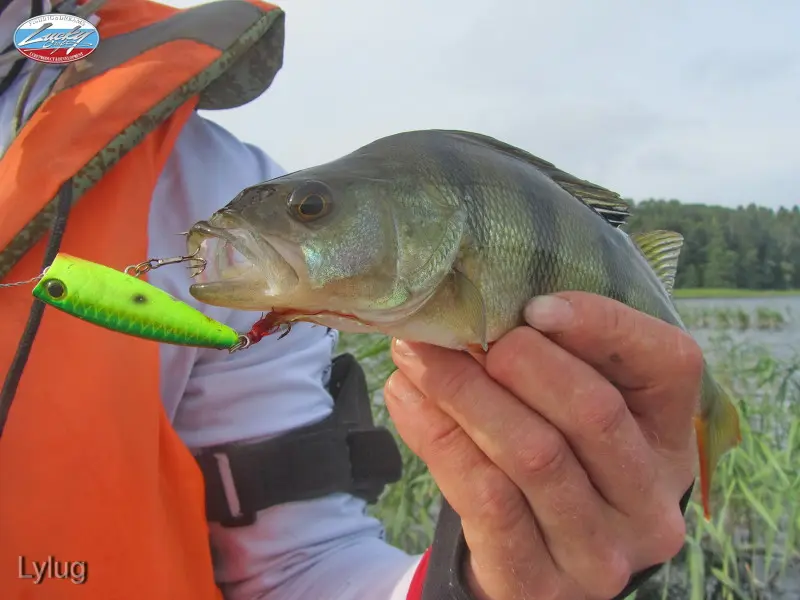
[(94, 482)]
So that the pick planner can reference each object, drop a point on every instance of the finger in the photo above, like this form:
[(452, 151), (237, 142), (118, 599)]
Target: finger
[(592, 415), (577, 525), (585, 407), (479, 356), (656, 364), (505, 544)]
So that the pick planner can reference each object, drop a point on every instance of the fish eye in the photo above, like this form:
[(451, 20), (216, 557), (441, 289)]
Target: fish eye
[(310, 201), (55, 289)]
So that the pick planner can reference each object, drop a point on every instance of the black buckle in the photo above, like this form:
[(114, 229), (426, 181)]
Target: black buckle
[(343, 452), (375, 460), (221, 491)]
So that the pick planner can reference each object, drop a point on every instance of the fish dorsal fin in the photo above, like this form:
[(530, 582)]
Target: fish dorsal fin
[(662, 250), (606, 203)]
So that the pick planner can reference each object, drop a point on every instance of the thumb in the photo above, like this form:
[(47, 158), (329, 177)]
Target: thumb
[(630, 348)]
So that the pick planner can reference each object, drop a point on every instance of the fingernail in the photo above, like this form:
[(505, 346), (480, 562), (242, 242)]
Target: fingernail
[(401, 390), (402, 349), (549, 314)]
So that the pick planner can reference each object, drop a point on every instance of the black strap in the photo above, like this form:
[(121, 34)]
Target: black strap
[(14, 374), (37, 8), (444, 576), (17, 367), (345, 452), (11, 76)]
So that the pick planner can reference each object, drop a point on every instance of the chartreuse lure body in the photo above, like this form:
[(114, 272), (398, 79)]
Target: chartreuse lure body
[(120, 302)]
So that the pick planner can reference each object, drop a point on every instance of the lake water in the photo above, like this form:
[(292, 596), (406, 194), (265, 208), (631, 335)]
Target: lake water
[(783, 343)]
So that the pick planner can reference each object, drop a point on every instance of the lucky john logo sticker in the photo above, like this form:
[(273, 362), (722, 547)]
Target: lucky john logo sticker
[(56, 39)]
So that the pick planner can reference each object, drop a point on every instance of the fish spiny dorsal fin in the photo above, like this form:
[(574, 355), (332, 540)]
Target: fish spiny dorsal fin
[(662, 250), (606, 203)]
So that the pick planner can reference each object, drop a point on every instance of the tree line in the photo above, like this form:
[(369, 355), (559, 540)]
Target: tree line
[(750, 247)]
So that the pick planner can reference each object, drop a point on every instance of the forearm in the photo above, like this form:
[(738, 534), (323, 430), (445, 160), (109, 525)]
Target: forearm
[(325, 549)]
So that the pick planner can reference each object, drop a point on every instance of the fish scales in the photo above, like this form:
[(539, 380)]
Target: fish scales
[(522, 222), (443, 237)]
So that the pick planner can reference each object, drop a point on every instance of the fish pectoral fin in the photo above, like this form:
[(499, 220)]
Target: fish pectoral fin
[(469, 306), (662, 250), (609, 205)]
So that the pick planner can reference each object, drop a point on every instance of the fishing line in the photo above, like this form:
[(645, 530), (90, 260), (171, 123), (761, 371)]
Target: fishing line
[(14, 374), (34, 279)]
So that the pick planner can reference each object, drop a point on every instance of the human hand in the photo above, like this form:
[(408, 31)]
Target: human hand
[(566, 456)]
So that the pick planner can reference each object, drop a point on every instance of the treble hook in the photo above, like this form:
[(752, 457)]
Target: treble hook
[(154, 263)]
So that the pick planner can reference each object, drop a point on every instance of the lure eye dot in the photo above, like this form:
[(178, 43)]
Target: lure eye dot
[(55, 289)]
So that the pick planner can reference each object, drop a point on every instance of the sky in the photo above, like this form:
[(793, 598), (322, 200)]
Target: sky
[(698, 101)]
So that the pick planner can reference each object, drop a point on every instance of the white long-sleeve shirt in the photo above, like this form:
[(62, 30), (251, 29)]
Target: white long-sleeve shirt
[(312, 550)]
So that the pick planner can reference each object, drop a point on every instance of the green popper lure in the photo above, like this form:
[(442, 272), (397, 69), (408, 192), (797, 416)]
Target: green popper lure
[(118, 301)]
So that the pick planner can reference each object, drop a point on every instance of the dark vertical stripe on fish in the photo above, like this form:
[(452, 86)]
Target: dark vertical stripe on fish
[(460, 176), (613, 284), (544, 225), (528, 191)]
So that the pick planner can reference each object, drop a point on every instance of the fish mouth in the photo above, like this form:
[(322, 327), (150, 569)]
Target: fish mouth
[(243, 269)]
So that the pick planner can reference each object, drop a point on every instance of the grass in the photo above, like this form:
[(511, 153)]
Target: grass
[(749, 550), (731, 293)]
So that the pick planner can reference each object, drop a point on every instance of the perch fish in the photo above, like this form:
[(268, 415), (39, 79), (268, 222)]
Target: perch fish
[(440, 237)]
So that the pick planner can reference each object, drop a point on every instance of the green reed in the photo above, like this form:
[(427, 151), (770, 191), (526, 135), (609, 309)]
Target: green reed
[(749, 550), (715, 317)]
